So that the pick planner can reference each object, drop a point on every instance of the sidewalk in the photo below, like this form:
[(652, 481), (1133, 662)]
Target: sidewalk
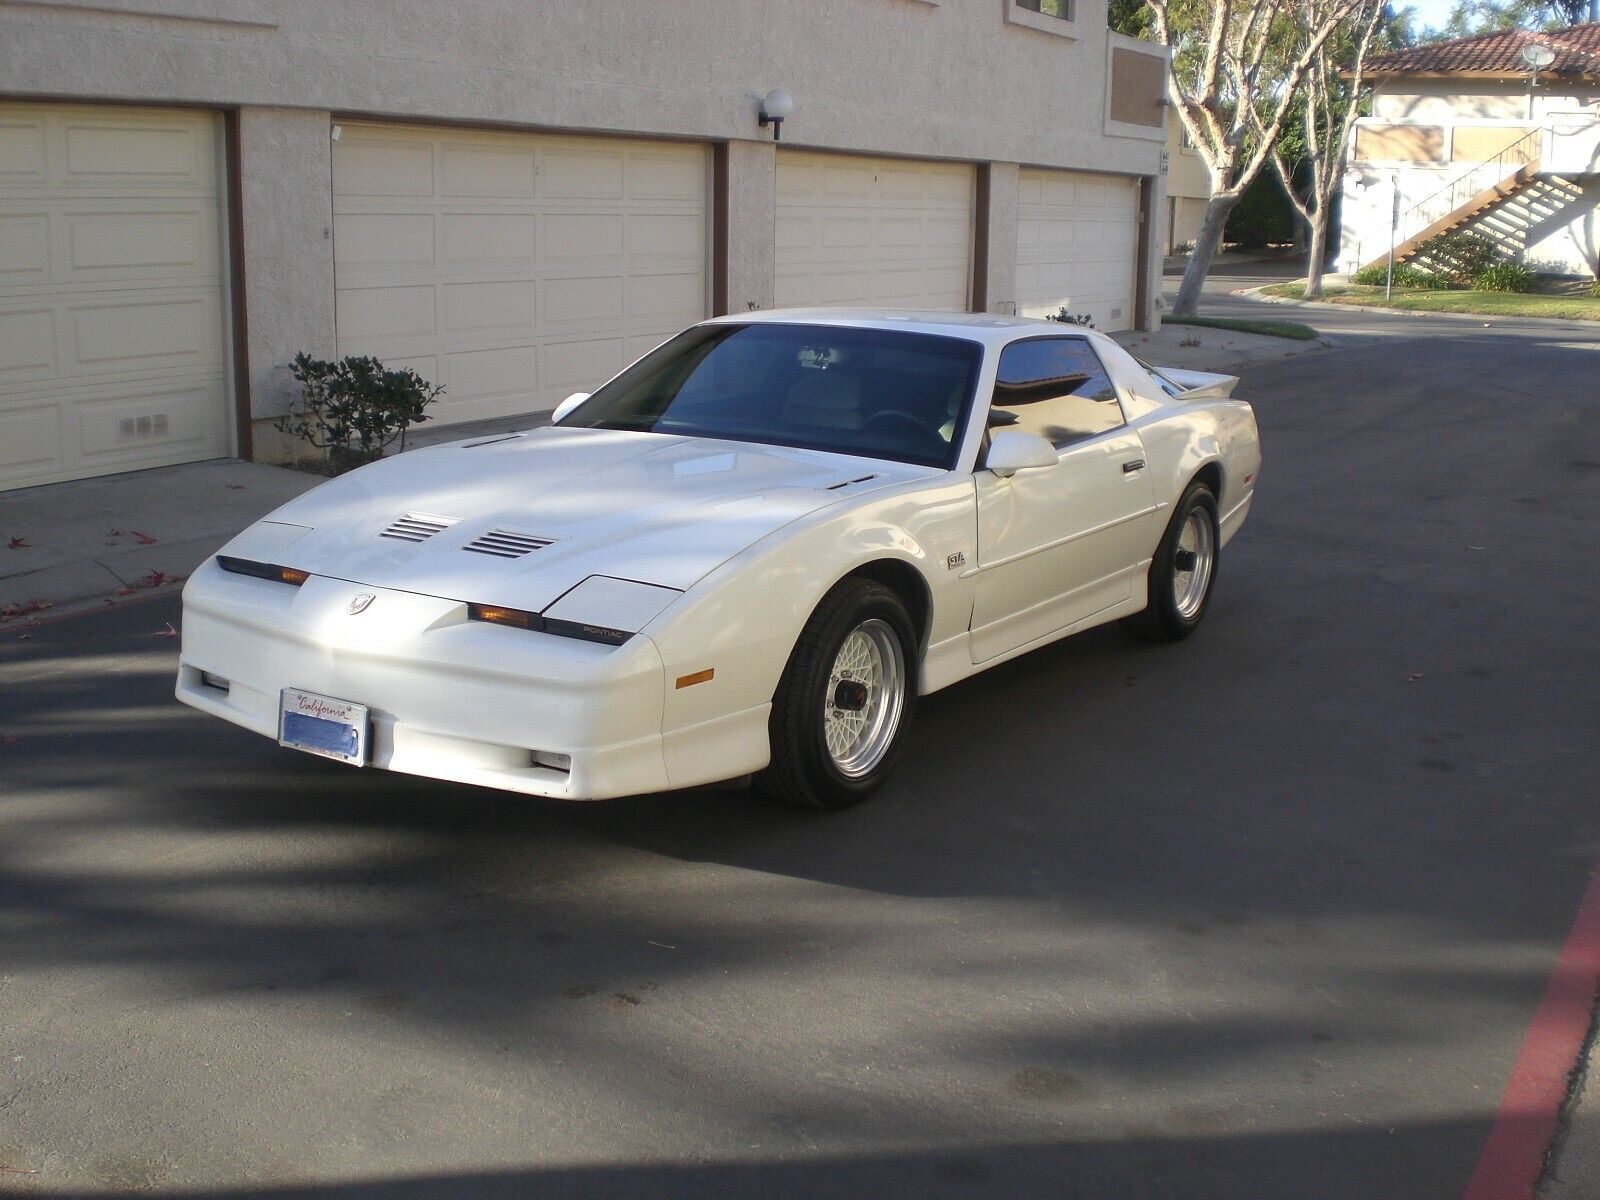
[(124, 535)]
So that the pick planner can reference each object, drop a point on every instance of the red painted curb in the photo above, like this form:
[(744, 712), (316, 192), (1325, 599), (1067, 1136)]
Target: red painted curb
[(1525, 1126)]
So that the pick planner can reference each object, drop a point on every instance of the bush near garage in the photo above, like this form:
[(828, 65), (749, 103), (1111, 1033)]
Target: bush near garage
[(353, 408), (1505, 277)]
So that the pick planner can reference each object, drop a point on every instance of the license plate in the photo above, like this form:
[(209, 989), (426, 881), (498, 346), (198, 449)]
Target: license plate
[(323, 725)]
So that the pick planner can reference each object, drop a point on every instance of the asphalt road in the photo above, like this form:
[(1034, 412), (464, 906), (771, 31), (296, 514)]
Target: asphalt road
[(1262, 915)]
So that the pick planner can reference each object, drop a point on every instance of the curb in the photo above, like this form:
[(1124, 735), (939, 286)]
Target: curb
[(1259, 293)]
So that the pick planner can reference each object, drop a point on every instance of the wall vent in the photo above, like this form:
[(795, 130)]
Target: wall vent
[(416, 527), (502, 543), (133, 429)]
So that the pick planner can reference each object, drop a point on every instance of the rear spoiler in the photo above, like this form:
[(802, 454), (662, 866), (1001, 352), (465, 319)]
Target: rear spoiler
[(1201, 385)]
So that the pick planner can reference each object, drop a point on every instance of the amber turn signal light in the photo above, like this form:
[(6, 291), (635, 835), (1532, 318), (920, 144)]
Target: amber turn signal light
[(495, 615)]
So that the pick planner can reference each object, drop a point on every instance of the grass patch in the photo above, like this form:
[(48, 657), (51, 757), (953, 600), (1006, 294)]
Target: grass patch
[(1282, 329), (1489, 304)]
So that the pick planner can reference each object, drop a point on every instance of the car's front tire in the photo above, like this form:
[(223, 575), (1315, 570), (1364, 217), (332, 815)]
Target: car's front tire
[(1183, 571), (842, 707)]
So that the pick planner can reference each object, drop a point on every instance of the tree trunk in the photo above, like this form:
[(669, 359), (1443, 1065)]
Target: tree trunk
[(1317, 263), (1206, 244)]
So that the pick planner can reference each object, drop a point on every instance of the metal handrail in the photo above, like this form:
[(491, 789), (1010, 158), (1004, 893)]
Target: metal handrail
[(1471, 171)]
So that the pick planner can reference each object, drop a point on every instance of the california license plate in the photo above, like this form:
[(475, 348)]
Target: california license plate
[(322, 725)]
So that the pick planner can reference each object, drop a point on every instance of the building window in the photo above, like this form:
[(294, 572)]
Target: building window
[(1047, 16)]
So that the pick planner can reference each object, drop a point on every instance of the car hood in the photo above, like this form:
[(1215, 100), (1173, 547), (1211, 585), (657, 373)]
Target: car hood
[(655, 508)]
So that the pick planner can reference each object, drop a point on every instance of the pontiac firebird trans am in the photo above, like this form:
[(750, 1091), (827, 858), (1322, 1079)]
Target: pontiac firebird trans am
[(746, 555)]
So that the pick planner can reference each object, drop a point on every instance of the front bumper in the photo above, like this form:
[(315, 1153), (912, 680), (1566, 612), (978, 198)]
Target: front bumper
[(450, 698)]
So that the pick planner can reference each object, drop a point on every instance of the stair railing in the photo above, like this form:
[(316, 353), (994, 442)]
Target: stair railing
[(1513, 151)]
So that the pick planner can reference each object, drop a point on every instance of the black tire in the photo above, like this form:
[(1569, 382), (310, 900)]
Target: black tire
[(1162, 620), (802, 771)]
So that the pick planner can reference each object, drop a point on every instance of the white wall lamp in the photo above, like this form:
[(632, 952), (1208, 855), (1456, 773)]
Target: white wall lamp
[(776, 107)]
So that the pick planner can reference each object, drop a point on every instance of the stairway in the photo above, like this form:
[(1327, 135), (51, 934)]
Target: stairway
[(1502, 213)]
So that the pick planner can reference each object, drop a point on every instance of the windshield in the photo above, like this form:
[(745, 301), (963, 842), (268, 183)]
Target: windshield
[(872, 392)]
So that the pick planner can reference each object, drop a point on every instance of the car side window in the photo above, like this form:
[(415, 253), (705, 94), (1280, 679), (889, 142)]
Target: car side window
[(1054, 387)]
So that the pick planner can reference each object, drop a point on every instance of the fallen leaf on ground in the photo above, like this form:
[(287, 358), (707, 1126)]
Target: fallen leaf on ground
[(18, 543), (1413, 676), (144, 538)]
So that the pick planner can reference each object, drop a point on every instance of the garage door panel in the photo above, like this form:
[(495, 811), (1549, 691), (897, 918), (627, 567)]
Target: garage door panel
[(667, 177), (873, 231), (470, 240), (584, 237), (111, 337), (30, 440), (22, 151), (667, 301), (583, 365), (583, 174), (383, 241), (387, 311), (538, 284), (141, 245), (100, 153), (584, 302), (662, 238), (24, 248), (27, 343), (486, 306), (483, 171), (127, 428), (387, 167)]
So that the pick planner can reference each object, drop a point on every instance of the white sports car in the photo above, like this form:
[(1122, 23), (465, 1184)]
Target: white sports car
[(746, 555)]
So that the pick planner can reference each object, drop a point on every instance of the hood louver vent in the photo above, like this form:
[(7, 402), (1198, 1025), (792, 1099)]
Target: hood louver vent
[(416, 527), (501, 543)]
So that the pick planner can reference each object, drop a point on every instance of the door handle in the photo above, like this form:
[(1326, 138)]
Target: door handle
[(1137, 464)]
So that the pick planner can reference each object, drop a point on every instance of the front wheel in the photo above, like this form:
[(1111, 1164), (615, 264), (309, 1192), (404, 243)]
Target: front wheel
[(1182, 572), (844, 701)]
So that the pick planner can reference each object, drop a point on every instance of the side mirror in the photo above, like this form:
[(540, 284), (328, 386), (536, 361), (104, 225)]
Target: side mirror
[(1013, 450), (567, 405)]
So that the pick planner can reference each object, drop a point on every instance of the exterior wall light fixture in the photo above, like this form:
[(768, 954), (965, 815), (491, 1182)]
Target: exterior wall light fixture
[(776, 106)]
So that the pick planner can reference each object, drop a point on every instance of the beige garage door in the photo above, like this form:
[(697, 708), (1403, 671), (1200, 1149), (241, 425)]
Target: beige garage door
[(1078, 246), (112, 340), (514, 268), (873, 231)]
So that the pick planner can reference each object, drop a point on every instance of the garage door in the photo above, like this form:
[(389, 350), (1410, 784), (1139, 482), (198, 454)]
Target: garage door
[(1078, 246), (873, 231), (514, 268), (112, 343)]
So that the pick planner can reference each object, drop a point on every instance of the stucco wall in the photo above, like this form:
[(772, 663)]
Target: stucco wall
[(287, 224), (953, 79), (1446, 99)]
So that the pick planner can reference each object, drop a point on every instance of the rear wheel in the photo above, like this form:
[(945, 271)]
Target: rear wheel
[(844, 701), (1182, 572)]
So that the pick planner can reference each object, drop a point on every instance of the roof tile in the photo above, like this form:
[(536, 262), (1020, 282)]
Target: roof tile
[(1577, 51)]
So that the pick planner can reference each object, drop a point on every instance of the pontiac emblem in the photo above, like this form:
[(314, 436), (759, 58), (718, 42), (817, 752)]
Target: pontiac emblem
[(360, 604)]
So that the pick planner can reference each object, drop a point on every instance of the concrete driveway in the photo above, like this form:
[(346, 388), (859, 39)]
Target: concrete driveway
[(1258, 916)]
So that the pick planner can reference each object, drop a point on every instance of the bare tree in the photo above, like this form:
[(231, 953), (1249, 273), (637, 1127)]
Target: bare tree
[(1330, 100), (1236, 72)]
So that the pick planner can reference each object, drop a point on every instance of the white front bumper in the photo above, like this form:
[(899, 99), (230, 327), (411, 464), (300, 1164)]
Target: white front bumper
[(450, 698)]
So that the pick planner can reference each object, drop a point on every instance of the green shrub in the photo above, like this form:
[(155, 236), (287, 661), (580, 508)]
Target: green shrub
[(1504, 277), (1405, 276), (1461, 257), (353, 408)]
